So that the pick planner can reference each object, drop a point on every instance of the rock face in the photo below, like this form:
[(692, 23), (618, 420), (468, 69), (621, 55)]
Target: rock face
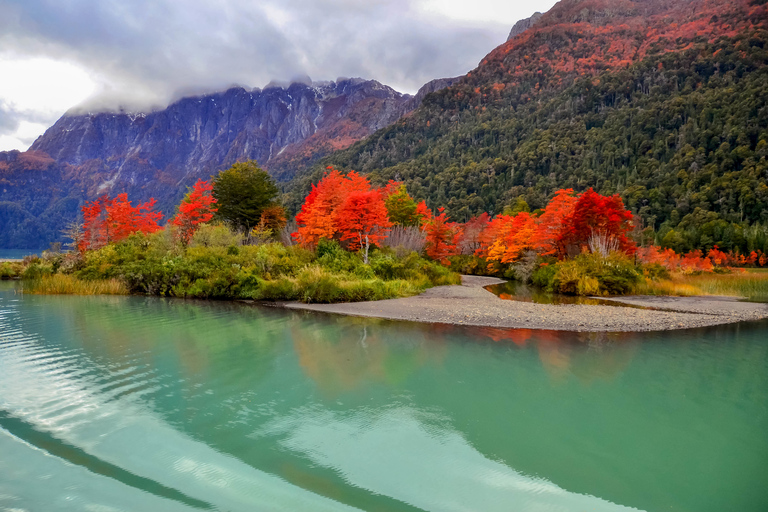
[(430, 87), (196, 136), (523, 25)]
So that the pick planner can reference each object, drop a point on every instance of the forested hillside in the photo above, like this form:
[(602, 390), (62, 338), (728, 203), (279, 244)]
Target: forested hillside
[(663, 102)]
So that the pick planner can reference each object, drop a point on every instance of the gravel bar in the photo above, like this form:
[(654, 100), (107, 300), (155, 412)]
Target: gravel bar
[(470, 304)]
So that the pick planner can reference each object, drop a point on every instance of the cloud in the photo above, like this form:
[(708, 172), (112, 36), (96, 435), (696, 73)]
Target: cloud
[(140, 54)]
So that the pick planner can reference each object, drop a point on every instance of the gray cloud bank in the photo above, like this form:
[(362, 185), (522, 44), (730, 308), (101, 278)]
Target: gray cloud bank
[(145, 53)]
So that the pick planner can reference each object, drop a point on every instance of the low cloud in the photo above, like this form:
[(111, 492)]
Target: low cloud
[(142, 53)]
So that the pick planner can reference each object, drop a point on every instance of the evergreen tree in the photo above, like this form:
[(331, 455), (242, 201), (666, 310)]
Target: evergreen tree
[(242, 193)]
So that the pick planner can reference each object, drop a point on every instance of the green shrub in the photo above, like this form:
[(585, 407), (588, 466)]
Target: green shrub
[(593, 274), (215, 266), (544, 276), (37, 269), (215, 235), (654, 272), (571, 279), (11, 270)]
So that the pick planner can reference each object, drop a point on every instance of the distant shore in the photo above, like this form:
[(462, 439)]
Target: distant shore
[(470, 304)]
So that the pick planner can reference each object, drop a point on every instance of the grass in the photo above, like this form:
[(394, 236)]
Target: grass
[(11, 269), (751, 284), (61, 284)]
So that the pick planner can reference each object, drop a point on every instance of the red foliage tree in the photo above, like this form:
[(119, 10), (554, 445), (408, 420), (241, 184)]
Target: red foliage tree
[(423, 213), (601, 218), (196, 208), (317, 218), (442, 238), (552, 227), (472, 232), (362, 220), (108, 220)]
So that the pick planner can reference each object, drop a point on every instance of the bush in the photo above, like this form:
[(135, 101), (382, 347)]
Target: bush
[(215, 266), (654, 272), (11, 270), (590, 274), (544, 276), (37, 269), (215, 235)]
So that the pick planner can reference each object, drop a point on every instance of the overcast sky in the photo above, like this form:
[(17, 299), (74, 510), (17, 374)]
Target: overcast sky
[(141, 54)]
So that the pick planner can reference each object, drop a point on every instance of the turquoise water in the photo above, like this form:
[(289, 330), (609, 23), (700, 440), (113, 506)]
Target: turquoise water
[(128, 403), (17, 254)]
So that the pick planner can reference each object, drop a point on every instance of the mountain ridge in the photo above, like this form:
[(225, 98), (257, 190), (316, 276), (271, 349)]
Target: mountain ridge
[(162, 152), (663, 102)]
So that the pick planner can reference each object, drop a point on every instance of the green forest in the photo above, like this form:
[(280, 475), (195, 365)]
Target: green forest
[(682, 136)]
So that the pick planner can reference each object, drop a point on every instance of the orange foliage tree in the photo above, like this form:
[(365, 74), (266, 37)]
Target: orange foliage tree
[(323, 214), (552, 224), (196, 208), (598, 219), (108, 220), (514, 235), (362, 219), (442, 238)]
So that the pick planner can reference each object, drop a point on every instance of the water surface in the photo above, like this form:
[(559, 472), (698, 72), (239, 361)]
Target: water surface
[(128, 403), (17, 254), (517, 291)]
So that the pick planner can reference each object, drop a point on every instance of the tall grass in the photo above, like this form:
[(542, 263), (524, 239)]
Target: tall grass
[(62, 284), (753, 285)]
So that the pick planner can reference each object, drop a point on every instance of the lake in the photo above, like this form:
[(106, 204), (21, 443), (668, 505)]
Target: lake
[(133, 403), (17, 254)]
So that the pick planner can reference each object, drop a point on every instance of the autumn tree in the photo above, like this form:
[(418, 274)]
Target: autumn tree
[(108, 220), (273, 218), (242, 192), (196, 208), (514, 235), (599, 220), (362, 220), (552, 227), (317, 218), (442, 238), (472, 231)]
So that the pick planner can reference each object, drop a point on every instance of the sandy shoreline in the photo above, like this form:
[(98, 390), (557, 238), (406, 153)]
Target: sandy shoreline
[(470, 304)]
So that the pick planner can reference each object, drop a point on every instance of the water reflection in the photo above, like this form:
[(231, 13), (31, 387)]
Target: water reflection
[(342, 356), (413, 457), (513, 290), (586, 355)]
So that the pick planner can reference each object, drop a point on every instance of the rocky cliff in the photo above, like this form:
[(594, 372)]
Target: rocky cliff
[(196, 136), (523, 25)]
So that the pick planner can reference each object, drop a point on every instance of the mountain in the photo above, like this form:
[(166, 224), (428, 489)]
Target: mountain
[(202, 134), (662, 101), (34, 206), (523, 25), (159, 154)]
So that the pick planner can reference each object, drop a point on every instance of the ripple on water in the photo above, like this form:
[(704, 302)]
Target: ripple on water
[(195, 405)]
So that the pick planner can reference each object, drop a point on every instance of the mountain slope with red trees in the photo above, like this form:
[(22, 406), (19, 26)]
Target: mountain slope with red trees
[(664, 102)]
